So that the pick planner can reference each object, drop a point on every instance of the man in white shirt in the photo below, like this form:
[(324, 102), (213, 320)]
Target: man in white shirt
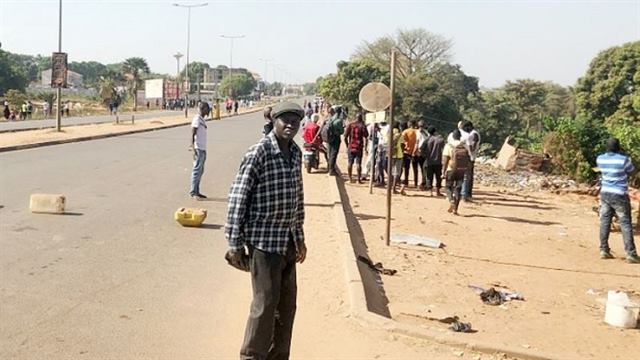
[(199, 146), (472, 139)]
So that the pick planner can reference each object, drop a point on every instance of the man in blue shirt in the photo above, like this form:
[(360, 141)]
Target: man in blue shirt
[(614, 197)]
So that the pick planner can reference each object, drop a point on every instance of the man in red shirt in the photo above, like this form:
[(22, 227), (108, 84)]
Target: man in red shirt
[(355, 138)]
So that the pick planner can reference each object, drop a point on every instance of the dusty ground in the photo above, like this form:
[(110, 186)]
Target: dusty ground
[(542, 245), (323, 300)]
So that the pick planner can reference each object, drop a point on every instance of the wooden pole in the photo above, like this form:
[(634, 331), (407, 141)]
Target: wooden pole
[(387, 237)]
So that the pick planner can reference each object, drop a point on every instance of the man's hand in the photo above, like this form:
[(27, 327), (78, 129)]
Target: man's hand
[(301, 253), (238, 259)]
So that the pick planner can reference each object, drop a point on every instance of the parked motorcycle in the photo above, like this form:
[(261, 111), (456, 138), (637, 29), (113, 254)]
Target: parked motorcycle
[(310, 156)]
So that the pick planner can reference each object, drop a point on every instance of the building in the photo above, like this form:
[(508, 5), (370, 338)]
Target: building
[(213, 76), (74, 80)]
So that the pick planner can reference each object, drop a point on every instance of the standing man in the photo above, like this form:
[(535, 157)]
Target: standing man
[(266, 215), (45, 109), (268, 122), (355, 138), (614, 197), (433, 160), (199, 147), (472, 137), (410, 139), (455, 159), (335, 129), (418, 155)]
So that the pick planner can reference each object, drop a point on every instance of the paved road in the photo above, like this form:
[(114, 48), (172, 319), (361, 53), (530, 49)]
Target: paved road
[(117, 278), (49, 123)]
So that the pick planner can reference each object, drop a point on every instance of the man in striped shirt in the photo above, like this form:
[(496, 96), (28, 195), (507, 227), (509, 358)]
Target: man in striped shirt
[(266, 215), (614, 197)]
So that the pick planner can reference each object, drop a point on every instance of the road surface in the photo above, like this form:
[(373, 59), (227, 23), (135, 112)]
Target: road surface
[(81, 120)]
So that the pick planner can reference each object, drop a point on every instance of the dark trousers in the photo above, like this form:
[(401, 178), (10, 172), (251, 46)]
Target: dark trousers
[(432, 170), (407, 162), (333, 157), (454, 186), (467, 185), (419, 160), (620, 204), (270, 324)]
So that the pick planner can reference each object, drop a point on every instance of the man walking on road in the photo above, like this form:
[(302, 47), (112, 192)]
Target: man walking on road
[(432, 150), (199, 146), (335, 129), (472, 137), (266, 215), (355, 138), (614, 197), (456, 159)]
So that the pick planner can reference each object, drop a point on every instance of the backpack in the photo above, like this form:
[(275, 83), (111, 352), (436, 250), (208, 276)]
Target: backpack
[(461, 160), (422, 150), (325, 132)]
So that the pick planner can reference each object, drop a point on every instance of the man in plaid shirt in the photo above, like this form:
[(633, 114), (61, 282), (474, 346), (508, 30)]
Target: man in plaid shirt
[(265, 216)]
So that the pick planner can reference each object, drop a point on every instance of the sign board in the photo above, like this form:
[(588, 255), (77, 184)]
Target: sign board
[(375, 96), (59, 70), (376, 117), (154, 88)]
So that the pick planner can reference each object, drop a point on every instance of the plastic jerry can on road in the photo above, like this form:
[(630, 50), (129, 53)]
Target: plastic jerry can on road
[(190, 216)]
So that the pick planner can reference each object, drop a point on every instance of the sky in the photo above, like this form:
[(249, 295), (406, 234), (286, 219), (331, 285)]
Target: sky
[(495, 41)]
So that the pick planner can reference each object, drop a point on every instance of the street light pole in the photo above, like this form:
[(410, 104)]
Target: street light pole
[(266, 61), (59, 89), (178, 55), (186, 95), (231, 38)]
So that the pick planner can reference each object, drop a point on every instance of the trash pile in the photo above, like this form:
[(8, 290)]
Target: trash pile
[(524, 179)]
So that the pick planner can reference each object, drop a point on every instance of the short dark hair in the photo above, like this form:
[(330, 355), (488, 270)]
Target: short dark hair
[(422, 124), (613, 145), (432, 130), (456, 134), (359, 117), (267, 112), (467, 126)]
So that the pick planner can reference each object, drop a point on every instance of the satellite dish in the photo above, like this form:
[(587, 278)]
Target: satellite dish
[(375, 96)]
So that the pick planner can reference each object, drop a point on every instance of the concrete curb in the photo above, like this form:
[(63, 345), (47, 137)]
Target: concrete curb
[(104, 136), (360, 312)]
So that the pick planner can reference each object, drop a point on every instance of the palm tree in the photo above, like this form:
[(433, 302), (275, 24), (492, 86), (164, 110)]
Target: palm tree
[(132, 68)]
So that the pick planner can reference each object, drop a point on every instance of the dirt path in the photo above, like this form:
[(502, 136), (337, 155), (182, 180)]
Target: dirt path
[(542, 245)]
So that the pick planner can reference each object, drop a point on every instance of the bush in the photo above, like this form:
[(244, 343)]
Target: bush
[(15, 99)]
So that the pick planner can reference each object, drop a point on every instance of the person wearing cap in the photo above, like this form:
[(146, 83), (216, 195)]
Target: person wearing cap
[(199, 147), (616, 167), (264, 229)]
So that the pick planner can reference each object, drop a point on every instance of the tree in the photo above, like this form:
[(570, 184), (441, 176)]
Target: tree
[(90, 71), (309, 88), (438, 97), (493, 113), (528, 97), (610, 90), (196, 71), (344, 86), (237, 85), (418, 51), (559, 101), (132, 69), (274, 88), (12, 74), (15, 98)]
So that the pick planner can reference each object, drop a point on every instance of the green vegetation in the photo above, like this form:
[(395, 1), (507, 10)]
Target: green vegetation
[(237, 85)]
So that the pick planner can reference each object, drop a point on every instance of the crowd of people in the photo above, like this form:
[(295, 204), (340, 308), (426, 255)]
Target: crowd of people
[(27, 110)]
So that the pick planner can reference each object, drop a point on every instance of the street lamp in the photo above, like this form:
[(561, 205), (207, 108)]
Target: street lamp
[(231, 38), (266, 61), (186, 96), (178, 55)]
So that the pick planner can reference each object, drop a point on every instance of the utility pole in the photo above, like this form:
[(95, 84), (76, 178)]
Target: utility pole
[(186, 95), (390, 149), (266, 61), (59, 88), (231, 38)]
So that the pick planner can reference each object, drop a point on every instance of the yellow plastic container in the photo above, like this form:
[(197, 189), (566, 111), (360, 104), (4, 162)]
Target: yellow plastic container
[(190, 216)]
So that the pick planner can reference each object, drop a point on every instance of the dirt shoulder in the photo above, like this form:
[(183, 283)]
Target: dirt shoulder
[(542, 245), (324, 328)]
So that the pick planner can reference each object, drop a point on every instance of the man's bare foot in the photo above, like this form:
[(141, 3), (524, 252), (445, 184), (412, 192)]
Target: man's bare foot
[(451, 208)]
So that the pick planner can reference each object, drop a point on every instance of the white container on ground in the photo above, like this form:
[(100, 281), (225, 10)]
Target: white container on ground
[(621, 311), (47, 203)]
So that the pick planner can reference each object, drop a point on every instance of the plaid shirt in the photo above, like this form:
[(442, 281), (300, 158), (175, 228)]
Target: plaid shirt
[(266, 201)]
